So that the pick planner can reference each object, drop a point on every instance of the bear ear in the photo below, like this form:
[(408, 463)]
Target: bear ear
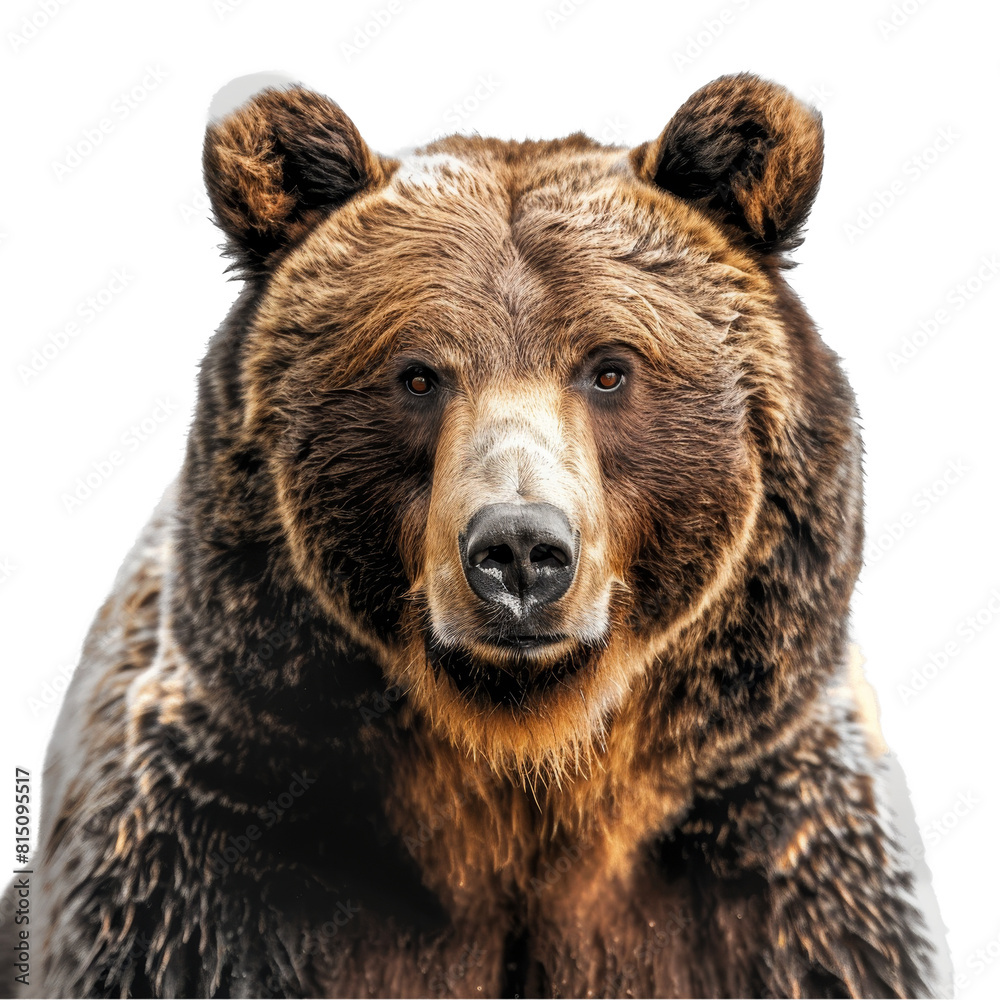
[(275, 165), (747, 152)]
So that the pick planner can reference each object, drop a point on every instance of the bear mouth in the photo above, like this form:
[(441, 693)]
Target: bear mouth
[(526, 642), (517, 678)]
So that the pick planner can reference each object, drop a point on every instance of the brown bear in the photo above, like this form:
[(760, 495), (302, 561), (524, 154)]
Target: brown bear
[(493, 639)]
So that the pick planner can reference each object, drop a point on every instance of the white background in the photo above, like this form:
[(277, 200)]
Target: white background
[(909, 96)]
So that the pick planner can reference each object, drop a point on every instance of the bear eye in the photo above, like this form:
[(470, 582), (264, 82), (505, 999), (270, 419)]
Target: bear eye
[(420, 381), (609, 380)]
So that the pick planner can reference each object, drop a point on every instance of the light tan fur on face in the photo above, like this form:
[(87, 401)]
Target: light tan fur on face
[(513, 443)]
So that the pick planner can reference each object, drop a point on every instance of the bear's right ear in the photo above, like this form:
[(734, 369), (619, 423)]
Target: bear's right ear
[(275, 166), (747, 153)]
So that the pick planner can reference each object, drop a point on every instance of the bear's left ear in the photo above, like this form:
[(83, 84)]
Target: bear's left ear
[(277, 164), (745, 151)]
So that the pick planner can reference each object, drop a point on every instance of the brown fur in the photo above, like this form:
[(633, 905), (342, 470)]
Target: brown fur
[(671, 798)]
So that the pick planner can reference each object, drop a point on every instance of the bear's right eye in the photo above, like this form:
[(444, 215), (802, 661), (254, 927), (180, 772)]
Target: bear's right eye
[(420, 381)]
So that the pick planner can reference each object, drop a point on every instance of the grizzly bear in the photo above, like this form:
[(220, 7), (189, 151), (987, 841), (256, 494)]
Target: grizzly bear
[(493, 638)]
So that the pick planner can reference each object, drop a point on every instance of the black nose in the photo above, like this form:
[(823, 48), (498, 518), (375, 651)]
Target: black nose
[(521, 552)]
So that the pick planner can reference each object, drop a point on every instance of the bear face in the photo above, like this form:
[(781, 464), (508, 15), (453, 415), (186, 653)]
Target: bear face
[(516, 401)]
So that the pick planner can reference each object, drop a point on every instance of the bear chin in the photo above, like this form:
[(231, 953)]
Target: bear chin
[(521, 674), (528, 714)]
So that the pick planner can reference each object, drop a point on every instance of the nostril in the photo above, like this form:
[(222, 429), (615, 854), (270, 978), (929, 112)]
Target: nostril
[(493, 555), (549, 555)]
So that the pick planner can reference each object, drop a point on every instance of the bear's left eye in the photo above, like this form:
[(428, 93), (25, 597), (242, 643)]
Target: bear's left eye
[(609, 379), (420, 381)]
